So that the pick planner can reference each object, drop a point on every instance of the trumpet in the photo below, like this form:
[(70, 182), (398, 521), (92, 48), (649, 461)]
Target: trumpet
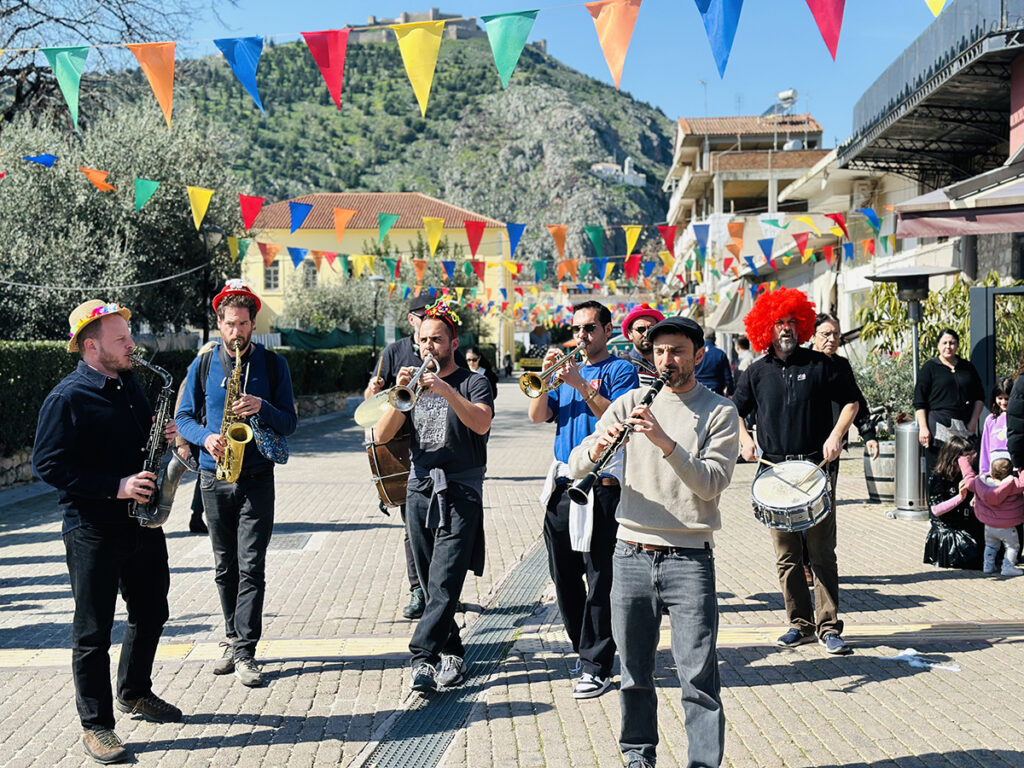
[(403, 398), (400, 398), (534, 385)]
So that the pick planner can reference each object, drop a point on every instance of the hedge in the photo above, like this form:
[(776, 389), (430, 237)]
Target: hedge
[(29, 370)]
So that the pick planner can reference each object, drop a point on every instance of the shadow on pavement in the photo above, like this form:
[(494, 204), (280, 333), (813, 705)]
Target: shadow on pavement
[(29, 559), (959, 757)]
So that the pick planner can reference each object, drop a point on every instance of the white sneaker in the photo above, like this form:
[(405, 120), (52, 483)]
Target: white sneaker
[(452, 672), (1009, 569), (591, 686)]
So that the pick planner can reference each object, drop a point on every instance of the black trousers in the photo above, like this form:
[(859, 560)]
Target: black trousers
[(102, 561), (443, 557), (241, 520), (410, 561), (585, 606)]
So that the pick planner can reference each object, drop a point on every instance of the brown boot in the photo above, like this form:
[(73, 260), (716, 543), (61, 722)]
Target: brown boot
[(103, 746)]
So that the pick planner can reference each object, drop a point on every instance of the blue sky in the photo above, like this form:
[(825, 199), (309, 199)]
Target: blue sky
[(777, 47)]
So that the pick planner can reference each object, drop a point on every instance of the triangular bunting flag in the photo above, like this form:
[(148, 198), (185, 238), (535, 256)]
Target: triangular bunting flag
[(809, 222), (507, 33), (98, 178), (828, 254), (144, 189), (419, 44), (828, 15), (250, 205), (753, 267), (869, 246), (735, 247), (449, 268), (474, 232), (721, 17), (67, 65), (596, 235), (599, 267), (840, 222), (243, 55), (801, 240), (298, 255), (700, 232), (328, 51), (318, 259), (515, 233), (668, 234), (649, 267), (848, 251), (46, 160), (269, 253), (341, 219), (872, 218), (935, 6), (609, 268), (632, 232), (385, 221), (540, 270), (631, 266), (243, 247), (297, 213), (157, 61), (199, 199), (558, 233), (479, 267), (233, 248), (766, 244), (434, 227), (614, 21), (420, 266)]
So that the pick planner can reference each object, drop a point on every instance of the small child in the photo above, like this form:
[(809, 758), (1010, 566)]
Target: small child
[(999, 504), (993, 436)]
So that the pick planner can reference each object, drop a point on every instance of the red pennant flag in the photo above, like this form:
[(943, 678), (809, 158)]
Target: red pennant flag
[(479, 267), (726, 263), (840, 221), (250, 209), (869, 246), (269, 253), (518, 290), (668, 234), (631, 267), (801, 241), (474, 231), (828, 254), (328, 50), (828, 14)]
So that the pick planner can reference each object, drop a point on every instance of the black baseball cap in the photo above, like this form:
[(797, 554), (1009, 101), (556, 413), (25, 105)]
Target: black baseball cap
[(420, 303), (676, 324)]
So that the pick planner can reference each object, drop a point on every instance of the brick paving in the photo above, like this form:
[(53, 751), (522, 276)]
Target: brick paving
[(335, 636)]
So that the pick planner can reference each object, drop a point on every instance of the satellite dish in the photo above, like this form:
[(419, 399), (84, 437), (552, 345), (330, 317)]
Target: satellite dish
[(787, 98)]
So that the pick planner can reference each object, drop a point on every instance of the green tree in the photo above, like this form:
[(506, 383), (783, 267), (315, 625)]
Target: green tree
[(59, 231)]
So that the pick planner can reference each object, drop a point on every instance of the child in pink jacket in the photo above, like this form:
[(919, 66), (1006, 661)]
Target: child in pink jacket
[(999, 504)]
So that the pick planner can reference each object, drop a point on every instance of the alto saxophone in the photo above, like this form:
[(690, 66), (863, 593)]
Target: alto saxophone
[(233, 429), (154, 513)]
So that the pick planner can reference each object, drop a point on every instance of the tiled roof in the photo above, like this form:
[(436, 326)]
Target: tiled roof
[(411, 207), (763, 159), (730, 126)]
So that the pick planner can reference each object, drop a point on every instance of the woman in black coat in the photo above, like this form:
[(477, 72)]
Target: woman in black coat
[(956, 537)]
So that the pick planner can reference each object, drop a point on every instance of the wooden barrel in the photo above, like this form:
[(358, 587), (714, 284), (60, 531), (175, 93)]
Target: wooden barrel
[(880, 473)]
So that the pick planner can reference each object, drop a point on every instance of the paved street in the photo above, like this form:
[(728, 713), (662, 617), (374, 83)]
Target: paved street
[(335, 641)]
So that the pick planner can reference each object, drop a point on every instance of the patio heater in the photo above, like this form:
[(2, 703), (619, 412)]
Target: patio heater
[(376, 281), (911, 473)]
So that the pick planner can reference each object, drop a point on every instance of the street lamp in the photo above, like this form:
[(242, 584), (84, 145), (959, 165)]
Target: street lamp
[(212, 235), (377, 281)]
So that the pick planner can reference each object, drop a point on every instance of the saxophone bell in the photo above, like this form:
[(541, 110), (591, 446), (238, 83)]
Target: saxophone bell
[(234, 430)]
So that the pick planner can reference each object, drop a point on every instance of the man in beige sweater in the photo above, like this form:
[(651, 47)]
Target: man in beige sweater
[(675, 468)]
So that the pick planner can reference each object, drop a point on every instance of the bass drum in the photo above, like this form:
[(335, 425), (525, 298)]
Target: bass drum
[(389, 465)]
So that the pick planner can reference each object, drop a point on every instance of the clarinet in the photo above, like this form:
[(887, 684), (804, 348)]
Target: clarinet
[(578, 493), (154, 513)]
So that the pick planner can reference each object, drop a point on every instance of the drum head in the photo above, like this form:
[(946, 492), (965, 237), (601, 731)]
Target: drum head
[(777, 486)]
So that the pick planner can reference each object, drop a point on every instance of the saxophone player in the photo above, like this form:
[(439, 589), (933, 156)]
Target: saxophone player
[(239, 511), (90, 442)]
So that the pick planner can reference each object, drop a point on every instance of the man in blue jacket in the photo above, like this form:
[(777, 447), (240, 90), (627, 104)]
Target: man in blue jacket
[(240, 514), (714, 371)]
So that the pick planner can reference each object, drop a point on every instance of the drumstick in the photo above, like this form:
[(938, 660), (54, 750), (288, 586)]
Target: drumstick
[(766, 462), (811, 473), (380, 362)]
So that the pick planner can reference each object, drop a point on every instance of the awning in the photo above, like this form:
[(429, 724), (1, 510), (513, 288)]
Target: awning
[(989, 203), (728, 315)]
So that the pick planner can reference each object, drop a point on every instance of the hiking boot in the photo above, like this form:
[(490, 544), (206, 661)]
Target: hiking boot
[(793, 638), (416, 604), (150, 707), (196, 524), (103, 746), (225, 665), (424, 678), (452, 672), (248, 673), (834, 644), (591, 686)]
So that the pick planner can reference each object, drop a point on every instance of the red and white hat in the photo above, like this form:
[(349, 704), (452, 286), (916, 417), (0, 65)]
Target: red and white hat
[(640, 310), (237, 287)]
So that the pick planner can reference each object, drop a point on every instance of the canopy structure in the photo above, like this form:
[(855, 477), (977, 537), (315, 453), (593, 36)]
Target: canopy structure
[(728, 315), (986, 204)]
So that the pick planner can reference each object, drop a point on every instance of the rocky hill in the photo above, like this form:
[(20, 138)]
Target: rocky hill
[(521, 154)]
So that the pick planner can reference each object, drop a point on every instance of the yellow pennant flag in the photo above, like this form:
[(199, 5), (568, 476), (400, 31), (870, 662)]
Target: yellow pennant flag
[(809, 222), (419, 44), (712, 263), (808, 252), (632, 235), (786, 260), (458, 292), (773, 285), (667, 260), (233, 248), (837, 231), (698, 276), (511, 266), (534, 291), (935, 6), (608, 270), (612, 286), (434, 227), (199, 199), (358, 264)]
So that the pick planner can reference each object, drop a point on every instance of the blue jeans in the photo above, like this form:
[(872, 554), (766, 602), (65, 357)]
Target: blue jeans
[(683, 582), (241, 520)]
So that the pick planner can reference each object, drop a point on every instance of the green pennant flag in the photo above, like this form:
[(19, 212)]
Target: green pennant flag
[(584, 269), (243, 247), (596, 235), (343, 258), (385, 221), (507, 33), (391, 266), (144, 189), (67, 65), (540, 270)]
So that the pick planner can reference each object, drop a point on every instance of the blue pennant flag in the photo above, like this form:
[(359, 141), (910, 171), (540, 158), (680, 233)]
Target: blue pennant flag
[(298, 212), (515, 232), (872, 218), (504, 294), (750, 263), (649, 267), (298, 255), (721, 17), (848, 251), (767, 243), (700, 231), (243, 55), (48, 160), (599, 267)]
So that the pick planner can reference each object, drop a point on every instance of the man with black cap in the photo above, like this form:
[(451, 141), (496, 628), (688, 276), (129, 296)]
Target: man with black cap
[(674, 470), (405, 353)]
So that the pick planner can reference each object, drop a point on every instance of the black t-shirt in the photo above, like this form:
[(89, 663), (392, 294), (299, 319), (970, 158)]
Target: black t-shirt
[(439, 438), (940, 389), (793, 399)]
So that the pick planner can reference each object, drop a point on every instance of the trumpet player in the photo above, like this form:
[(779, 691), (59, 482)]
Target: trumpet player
[(240, 514), (450, 423), (93, 429), (676, 465), (580, 539)]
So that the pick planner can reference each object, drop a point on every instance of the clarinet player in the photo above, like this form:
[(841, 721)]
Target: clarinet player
[(90, 445)]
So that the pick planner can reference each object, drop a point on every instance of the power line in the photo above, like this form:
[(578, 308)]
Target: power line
[(101, 287)]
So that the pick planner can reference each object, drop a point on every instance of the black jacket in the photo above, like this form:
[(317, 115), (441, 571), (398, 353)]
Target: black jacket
[(1015, 423)]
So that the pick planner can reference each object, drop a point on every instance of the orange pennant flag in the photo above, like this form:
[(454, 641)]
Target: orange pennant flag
[(420, 265), (558, 232), (157, 61), (341, 219), (736, 234), (573, 264), (318, 259), (269, 253), (614, 21), (98, 178)]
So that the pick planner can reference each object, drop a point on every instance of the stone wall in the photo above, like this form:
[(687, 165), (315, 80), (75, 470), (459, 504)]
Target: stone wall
[(16, 469)]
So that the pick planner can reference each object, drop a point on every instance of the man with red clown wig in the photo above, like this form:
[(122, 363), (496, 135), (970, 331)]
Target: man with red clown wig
[(791, 390)]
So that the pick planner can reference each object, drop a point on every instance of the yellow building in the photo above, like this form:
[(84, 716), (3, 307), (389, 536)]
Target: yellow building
[(318, 233)]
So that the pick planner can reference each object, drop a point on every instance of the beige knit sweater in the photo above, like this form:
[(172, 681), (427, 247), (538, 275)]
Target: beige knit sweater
[(672, 500)]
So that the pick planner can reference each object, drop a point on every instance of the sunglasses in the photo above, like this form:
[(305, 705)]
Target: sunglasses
[(641, 329), (585, 328), (472, 359)]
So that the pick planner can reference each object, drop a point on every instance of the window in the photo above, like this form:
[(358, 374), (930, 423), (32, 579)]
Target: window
[(309, 274), (272, 277)]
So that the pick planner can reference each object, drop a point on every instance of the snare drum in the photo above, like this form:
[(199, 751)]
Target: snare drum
[(781, 504)]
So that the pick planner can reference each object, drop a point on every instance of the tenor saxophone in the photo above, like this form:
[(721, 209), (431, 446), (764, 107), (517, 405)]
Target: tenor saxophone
[(154, 513), (233, 429)]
